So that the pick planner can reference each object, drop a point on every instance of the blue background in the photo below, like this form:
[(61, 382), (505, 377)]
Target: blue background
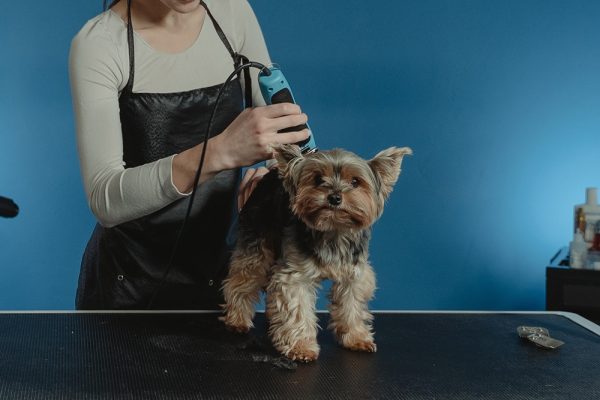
[(499, 100)]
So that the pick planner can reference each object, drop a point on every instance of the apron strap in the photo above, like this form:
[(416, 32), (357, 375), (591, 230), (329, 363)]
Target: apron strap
[(238, 59), (129, 86), (247, 82), (220, 32)]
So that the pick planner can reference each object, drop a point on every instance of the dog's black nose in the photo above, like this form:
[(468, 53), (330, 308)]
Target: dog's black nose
[(335, 199)]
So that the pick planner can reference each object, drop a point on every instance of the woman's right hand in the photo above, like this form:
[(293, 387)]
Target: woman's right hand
[(248, 139)]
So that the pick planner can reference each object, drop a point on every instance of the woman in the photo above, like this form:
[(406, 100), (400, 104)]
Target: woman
[(144, 78)]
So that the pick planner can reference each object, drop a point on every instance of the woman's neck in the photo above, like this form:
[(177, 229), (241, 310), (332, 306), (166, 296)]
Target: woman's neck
[(165, 29), (147, 14)]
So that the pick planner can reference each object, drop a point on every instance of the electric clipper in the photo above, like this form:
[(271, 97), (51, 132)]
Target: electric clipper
[(276, 89)]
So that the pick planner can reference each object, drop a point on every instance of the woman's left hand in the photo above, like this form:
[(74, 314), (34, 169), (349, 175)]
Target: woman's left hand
[(249, 182)]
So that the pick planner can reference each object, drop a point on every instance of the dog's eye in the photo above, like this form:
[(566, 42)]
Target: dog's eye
[(319, 180), (355, 182)]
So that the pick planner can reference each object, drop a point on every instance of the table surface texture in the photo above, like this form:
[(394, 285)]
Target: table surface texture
[(192, 356)]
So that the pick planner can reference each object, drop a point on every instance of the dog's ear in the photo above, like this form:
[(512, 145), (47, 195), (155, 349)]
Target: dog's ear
[(288, 156), (386, 166), (285, 153)]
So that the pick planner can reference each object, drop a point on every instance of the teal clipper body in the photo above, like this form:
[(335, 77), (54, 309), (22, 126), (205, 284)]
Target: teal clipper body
[(275, 89)]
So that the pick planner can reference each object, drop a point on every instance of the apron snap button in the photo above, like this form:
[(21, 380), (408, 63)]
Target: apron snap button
[(210, 282), (120, 277)]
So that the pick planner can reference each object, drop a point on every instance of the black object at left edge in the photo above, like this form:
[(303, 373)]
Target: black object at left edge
[(8, 208)]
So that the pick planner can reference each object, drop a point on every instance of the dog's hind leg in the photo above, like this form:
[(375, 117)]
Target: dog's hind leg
[(350, 319), (248, 273)]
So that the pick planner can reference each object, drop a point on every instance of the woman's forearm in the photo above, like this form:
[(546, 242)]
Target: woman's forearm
[(186, 163)]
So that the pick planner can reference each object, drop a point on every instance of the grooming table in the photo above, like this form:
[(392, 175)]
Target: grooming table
[(189, 355)]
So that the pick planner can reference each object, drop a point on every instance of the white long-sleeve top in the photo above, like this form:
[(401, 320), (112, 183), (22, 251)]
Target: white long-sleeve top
[(99, 71)]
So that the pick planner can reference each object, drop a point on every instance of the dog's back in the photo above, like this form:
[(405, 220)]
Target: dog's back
[(265, 213)]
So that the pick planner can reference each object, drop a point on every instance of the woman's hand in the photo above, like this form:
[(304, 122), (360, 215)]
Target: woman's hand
[(248, 139), (249, 182)]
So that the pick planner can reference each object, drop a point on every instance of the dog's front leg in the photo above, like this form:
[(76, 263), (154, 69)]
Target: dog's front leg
[(291, 298), (351, 320)]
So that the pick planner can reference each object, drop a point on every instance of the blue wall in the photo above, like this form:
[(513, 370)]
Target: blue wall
[(499, 100)]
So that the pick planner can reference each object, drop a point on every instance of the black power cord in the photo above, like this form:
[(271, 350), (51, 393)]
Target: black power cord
[(235, 72)]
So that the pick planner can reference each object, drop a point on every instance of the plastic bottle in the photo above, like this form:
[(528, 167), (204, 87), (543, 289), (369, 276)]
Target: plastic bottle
[(587, 215), (593, 255), (578, 251)]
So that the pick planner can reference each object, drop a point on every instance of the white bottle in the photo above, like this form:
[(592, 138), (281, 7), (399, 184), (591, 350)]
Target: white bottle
[(592, 260), (587, 215), (578, 252)]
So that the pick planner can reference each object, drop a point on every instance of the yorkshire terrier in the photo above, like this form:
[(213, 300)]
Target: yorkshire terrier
[(308, 220)]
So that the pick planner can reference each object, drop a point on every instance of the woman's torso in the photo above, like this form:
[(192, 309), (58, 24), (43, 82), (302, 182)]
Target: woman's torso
[(124, 265)]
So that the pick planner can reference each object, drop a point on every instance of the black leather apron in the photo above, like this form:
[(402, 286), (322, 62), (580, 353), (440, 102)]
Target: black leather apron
[(122, 266)]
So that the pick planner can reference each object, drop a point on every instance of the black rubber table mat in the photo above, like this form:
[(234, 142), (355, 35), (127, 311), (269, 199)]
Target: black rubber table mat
[(191, 356)]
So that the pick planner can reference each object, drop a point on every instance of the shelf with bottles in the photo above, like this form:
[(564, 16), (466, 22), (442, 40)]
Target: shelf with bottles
[(585, 246)]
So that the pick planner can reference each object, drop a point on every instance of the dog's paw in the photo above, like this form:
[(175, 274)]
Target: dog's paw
[(304, 351), (235, 326), (303, 355), (361, 345)]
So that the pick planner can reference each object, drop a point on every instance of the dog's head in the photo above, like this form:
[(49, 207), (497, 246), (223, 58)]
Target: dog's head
[(338, 190)]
